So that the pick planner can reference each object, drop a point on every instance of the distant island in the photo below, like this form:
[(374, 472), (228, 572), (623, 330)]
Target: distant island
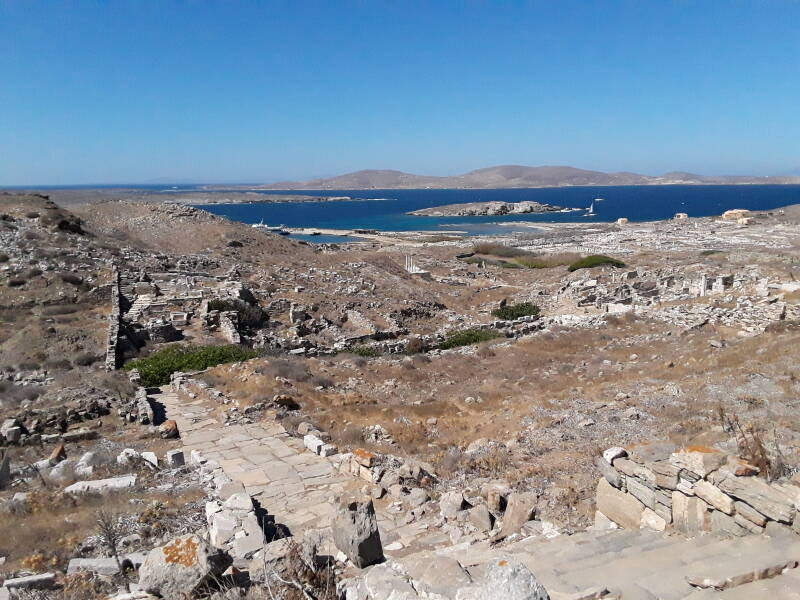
[(514, 176), (474, 209)]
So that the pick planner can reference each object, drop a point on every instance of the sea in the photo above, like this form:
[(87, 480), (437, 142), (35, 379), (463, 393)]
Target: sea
[(385, 210)]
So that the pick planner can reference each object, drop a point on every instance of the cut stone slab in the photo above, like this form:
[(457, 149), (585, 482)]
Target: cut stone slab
[(689, 514), (41, 581), (714, 496), (767, 499), (738, 571), (99, 486), (700, 460), (610, 474), (441, 574), (622, 508)]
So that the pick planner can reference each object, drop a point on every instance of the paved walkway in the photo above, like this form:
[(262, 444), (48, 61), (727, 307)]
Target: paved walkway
[(291, 483)]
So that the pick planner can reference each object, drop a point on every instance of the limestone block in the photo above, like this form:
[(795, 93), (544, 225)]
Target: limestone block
[(622, 508), (714, 496), (613, 453), (101, 485), (700, 460), (521, 508), (748, 512), (610, 474), (766, 499), (689, 514), (313, 443), (644, 494), (175, 459), (722, 524), (651, 520)]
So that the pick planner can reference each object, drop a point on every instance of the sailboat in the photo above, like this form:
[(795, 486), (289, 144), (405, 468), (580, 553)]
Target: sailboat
[(590, 210)]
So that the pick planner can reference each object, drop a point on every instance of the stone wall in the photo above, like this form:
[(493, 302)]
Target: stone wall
[(692, 490), (114, 322)]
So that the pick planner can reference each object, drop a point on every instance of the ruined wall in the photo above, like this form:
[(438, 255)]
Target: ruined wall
[(114, 322), (692, 490)]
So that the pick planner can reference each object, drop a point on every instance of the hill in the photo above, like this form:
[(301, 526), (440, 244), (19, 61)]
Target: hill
[(514, 176)]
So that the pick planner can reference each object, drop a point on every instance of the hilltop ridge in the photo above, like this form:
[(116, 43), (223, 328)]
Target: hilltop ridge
[(516, 176)]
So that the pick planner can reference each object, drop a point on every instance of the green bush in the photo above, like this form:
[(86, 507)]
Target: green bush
[(515, 311), (365, 351), (250, 316), (467, 337), (595, 260), (502, 250), (156, 369)]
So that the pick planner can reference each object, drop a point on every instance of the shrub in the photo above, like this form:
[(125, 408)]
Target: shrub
[(467, 337), (250, 316), (85, 359), (515, 311), (4, 257), (495, 249), (71, 278), (415, 345), (157, 368), (547, 261), (365, 351), (16, 282), (32, 215), (595, 260)]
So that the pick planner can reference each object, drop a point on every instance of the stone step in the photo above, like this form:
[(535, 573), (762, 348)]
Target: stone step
[(783, 587)]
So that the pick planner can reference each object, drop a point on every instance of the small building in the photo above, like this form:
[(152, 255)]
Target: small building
[(622, 221), (680, 216)]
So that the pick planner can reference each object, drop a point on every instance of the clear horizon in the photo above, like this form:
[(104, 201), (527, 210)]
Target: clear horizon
[(136, 92)]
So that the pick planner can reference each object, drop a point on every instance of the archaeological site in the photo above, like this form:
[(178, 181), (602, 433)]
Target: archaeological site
[(194, 408)]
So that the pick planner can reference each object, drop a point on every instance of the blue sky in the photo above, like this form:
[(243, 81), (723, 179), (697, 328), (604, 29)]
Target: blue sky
[(135, 91)]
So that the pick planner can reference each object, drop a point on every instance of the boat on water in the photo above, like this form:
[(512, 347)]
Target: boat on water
[(279, 229), (590, 211)]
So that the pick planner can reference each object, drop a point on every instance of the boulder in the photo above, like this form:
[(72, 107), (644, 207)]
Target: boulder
[(506, 579), (182, 567), (451, 503), (355, 531), (481, 518)]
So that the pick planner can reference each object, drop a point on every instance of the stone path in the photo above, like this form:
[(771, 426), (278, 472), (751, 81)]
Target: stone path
[(646, 565), (291, 483), (294, 485)]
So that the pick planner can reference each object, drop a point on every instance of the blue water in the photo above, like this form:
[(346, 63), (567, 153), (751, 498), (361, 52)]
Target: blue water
[(637, 203)]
